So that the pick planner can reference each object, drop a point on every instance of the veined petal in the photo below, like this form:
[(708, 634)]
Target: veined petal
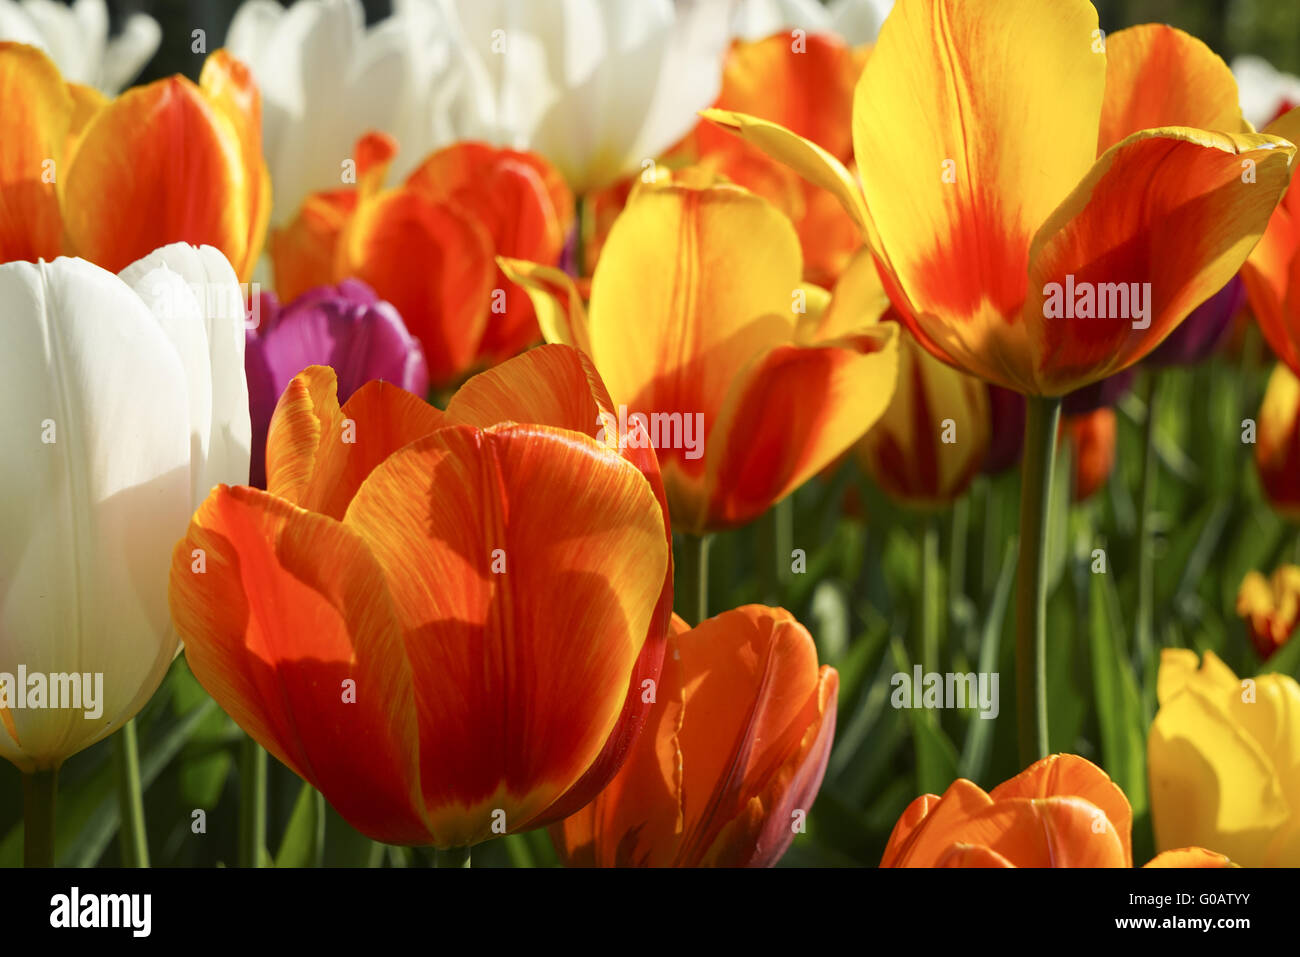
[(304, 252), (937, 826), (971, 123), (556, 300), (1174, 211), (912, 818), (160, 164), (37, 118), (289, 608), (1048, 832), (1157, 75), (525, 564)]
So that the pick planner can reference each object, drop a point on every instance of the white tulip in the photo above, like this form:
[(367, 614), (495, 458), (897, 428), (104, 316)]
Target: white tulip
[(124, 398), (76, 39), (859, 21), (325, 80), (1263, 89), (854, 21)]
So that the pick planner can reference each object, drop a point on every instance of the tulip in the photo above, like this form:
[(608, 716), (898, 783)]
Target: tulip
[(76, 38), (731, 759), (1006, 430), (427, 246), (137, 402), (1270, 607), (1026, 187), (444, 622), (163, 163), (1222, 760), (326, 79), (347, 327), (1277, 449), (700, 325), (1091, 437), (596, 87), (933, 438), (1272, 274), (1101, 394), (854, 21)]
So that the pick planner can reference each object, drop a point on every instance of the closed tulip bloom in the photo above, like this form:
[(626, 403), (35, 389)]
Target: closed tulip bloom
[(76, 37), (1277, 449), (731, 758), (1270, 607), (1223, 762), (933, 438), (163, 163), (699, 323), (1091, 437), (127, 403), (346, 327), (442, 621), (1009, 191), (1063, 811), (428, 246)]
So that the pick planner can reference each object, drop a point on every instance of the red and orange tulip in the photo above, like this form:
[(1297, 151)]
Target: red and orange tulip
[(428, 246), (1277, 446), (731, 759), (1063, 811), (112, 181), (1028, 161), (442, 621), (1270, 607), (699, 320), (1092, 450), (1272, 274)]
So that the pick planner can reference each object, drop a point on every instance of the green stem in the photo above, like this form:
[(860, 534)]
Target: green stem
[(133, 838), (927, 617), (580, 209), (1042, 415), (39, 790), (692, 586), (451, 857), (1143, 631), (252, 803)]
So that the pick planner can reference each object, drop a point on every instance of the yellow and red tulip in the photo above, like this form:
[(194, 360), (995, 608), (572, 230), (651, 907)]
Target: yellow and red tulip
[(1277, 446), (112, 181), (1041, 167), (1270, 607), (731, 759), (442, 621), (699, 314), (1223, 762), (428, 246)]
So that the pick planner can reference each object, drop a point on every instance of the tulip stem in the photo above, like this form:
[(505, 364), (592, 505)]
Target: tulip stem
[(133, 839), (927, 617), (1143, 635), (1042, 416), (252, 803), (692, 586), (39, 790), (580, 208), (451, 857)]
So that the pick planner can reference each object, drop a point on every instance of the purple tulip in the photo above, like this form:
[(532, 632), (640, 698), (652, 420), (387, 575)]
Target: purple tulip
[(347, 327), (1103, 392), (1200, 334), (1007, 433)]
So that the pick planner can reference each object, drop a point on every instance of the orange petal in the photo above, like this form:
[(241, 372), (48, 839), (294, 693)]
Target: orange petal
[(1175, 209), (1272, 273), (1092, 449), (1190, 857), (525, 564), (304, 252), (1068, 775), (925, 842), (160, 164), (971, 123), (1049, 832), (972, 855), (1277, 451), (434, 263), (1157, 75), (906, 826), (289, 611), (37, 119)]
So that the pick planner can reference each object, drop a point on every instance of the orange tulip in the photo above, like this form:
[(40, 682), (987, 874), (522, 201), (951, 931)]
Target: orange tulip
[(427, 246), (1272, 273), (931, 442), (1270, 607), (1277, 449), (111, 182), (751, 381), (731, 759), (442, 621), (1010, 179), (1092, 448)]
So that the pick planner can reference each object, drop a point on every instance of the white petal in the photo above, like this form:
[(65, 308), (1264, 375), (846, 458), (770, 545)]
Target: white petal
[(859, 21), (129, 51), (88, 520), (756, 19), (17, 26), (212, 279), (63, 38)]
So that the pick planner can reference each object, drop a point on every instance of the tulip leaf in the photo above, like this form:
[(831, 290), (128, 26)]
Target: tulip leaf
[(936, 755), (303, 844), (975, 752)]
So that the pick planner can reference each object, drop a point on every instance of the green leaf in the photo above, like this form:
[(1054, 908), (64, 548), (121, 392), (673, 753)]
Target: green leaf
[(303, 844)]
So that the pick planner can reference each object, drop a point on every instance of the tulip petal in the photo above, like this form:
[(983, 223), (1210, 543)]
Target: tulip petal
[(925, 842), (1157, 75), (304, 252), (913, 817), (1205, 199), (289, 614), (1051, 832), (1189, 857), (972, 855), (556, 300), (525, 563)]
